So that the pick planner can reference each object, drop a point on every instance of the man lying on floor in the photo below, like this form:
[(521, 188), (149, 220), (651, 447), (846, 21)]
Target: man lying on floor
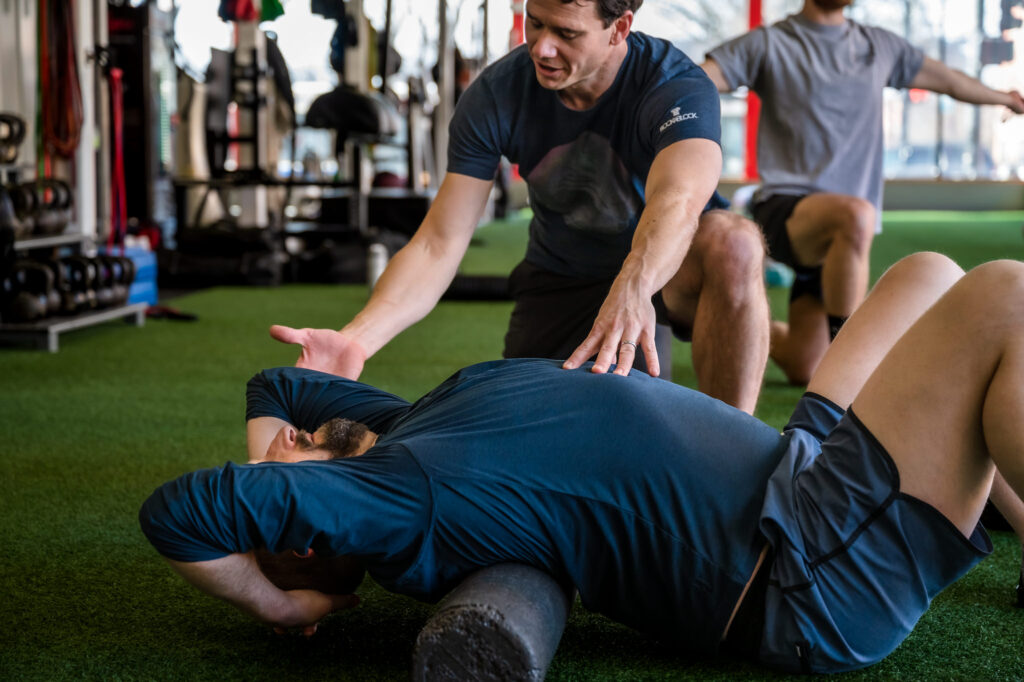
[(817, 549)]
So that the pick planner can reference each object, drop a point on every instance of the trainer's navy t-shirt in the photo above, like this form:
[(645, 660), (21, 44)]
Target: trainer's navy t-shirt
[(586, 170), (643, 494)]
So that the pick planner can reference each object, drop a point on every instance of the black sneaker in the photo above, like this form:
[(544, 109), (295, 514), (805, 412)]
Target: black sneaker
[(1020, 589)]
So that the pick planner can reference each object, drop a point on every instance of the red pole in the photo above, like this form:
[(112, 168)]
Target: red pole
[(516, 38), (753, 105)]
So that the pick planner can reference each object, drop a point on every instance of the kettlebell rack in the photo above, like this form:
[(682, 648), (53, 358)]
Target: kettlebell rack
[(54, 307), (44, 334)]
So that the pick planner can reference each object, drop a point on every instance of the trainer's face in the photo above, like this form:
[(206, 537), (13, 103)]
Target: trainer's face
[(568, 41)]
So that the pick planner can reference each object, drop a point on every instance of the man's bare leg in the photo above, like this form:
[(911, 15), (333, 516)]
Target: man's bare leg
[(833, 231), (898, 299), (719, 294), (947, 401)]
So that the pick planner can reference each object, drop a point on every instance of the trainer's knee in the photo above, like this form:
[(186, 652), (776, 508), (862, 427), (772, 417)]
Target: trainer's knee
[(731, 248)]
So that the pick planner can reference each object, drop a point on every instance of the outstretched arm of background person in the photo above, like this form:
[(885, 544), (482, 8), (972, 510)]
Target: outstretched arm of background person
[(237, 579), (682, 179), (937, 77), (408, 289), (714, 72)]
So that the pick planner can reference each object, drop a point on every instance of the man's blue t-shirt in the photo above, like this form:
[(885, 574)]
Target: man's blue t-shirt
[(586, 170), (644, 495)]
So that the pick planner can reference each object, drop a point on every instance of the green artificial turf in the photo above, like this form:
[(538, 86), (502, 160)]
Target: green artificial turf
[(90, 431)]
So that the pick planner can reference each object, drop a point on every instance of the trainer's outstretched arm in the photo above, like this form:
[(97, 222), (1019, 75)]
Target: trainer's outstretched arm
[(682, 179), (409, 288), (237, 579)]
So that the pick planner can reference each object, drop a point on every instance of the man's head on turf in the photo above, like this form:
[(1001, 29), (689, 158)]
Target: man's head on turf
[(335, 439)]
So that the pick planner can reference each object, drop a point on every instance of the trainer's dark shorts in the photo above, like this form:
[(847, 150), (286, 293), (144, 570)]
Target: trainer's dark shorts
[(771, 213), (856, 561), (553, 313)]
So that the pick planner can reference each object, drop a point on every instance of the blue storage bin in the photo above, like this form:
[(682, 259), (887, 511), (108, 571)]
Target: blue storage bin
[(143, 288)]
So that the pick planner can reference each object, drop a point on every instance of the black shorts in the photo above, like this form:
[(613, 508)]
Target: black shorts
[(771, 214), (553, 315)]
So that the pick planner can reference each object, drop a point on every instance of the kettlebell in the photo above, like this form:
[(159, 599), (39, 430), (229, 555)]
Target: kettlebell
[(30, 285), (104, 284), (52, 205), (8, 216), (116, 265), (56, 295), (83, 282), (24, 202), (73, 299), (12, 134)]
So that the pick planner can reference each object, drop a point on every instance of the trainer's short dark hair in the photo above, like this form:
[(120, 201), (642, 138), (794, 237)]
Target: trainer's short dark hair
[(612, 9)]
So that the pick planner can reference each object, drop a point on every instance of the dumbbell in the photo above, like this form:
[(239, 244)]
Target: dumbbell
[(27, 291)]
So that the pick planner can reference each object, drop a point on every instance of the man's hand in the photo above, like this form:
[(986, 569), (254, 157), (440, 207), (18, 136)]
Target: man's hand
[(306, 608), (625, 322), (324, 350)]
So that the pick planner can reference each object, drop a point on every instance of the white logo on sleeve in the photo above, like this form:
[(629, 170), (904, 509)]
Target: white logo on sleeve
[(677, 118)]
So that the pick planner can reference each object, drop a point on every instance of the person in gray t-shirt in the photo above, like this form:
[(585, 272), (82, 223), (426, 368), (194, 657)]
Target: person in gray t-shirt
[(820, 77)]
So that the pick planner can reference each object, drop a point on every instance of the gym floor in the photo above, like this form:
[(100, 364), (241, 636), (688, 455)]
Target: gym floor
[(90, 431)]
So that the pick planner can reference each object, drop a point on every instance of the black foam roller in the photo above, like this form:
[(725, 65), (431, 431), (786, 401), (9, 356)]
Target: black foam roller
[(502, 623)]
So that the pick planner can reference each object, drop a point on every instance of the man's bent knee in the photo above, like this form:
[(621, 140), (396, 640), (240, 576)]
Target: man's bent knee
[(730, 248), (855, 221), (1000, 280), (726, 256)]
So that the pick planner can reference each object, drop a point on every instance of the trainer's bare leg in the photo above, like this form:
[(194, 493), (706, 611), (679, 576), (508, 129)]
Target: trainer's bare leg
[(947, 401), (833, 231), (719, 294)]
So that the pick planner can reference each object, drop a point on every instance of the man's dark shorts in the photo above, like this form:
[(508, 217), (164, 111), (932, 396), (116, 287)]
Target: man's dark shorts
[(771, 213), (856, 561), (553, 313)]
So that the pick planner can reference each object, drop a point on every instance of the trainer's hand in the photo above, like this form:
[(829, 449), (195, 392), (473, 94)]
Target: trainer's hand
[(324, 350), (627, 315), (306, 608)]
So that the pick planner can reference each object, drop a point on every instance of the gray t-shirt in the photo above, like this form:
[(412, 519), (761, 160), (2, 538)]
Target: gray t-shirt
[(821, 91)]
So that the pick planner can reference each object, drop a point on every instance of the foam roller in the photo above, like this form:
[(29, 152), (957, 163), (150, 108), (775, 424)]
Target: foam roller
[(502, 623)]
